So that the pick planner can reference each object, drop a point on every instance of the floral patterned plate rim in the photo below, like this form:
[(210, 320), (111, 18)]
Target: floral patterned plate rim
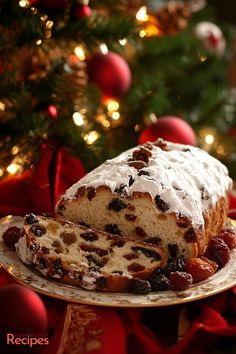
[(224, 279)]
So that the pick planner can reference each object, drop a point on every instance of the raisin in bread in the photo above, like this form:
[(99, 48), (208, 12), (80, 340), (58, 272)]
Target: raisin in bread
[(171, 194), (83, 257)]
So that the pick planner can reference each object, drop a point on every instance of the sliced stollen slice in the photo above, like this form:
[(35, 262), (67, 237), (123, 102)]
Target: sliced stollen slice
[(80, 256)]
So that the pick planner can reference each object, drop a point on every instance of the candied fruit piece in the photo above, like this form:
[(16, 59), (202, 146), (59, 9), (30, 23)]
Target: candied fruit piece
[(38, 230), (229, 237), (190, 236), (174, 264), (173, 249), (116, 204), (57, 267), (219, 252), (89, 236), (147, 252), (101, 283), (180, 280), (212, 263), (200, 269), (11, 236), (99, 251), (31, 219), (161, 204), (91, 193), (159, 282), (112, 229), (140, 231), (135, 267), (139, 287)]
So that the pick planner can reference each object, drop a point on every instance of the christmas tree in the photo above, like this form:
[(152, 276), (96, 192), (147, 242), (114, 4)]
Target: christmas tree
[(95, 78)]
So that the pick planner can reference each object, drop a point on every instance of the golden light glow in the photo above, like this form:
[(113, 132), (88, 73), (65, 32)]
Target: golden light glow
[(142, 15), (1, 172), (34, 10), (39, 41), (115, 115), (123, 41), (106, 123), (44, 18), (142, 33), (112, 105), (222, 150), (209, 139), (13, 168), (202, 58), (15, 150), (23, 3), (137, 128), (79, 52), (102, 119), (2, 106), (103, 48), (49, 24), (91, 137), (78, 119)]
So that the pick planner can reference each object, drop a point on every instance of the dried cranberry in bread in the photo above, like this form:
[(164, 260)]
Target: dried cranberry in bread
[(171, 194), (83, 257)]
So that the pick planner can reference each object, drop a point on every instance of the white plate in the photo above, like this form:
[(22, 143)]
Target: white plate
[(222, 280)]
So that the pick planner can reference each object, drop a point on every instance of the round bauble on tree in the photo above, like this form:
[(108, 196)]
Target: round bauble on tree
[(170, 128), (78, 11), (211, 37), (22, 310), (50, 6), (51, 111), (110, 72)]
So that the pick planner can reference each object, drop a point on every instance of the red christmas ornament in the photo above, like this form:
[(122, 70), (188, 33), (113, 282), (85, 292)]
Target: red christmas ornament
[(21, 310), (50, 6), (51, 111), (110, 72), (170, 128), (79, 11)]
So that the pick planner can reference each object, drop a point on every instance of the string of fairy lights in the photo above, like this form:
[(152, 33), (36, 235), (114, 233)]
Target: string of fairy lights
[(109, 113)]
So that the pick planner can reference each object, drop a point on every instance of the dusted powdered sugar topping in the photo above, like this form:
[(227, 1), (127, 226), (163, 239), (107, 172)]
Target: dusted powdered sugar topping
[(181, 178)]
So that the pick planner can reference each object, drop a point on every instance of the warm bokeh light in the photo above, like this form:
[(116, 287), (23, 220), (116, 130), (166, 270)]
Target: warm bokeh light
[(15, 150), (13, 168), (142, 14), (103, 48), (80, 53), (112, 105), (91, 137), (2, 106), (78, 119), (115, 115), (209, 139), (23, 3), (123, 41)]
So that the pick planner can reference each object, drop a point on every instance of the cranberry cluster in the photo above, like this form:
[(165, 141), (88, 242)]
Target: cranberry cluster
[(178, 275)]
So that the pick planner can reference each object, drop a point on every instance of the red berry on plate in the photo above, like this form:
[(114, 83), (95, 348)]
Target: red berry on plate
[(229, 237), (219, 252), (180, 280), (11, 236)]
